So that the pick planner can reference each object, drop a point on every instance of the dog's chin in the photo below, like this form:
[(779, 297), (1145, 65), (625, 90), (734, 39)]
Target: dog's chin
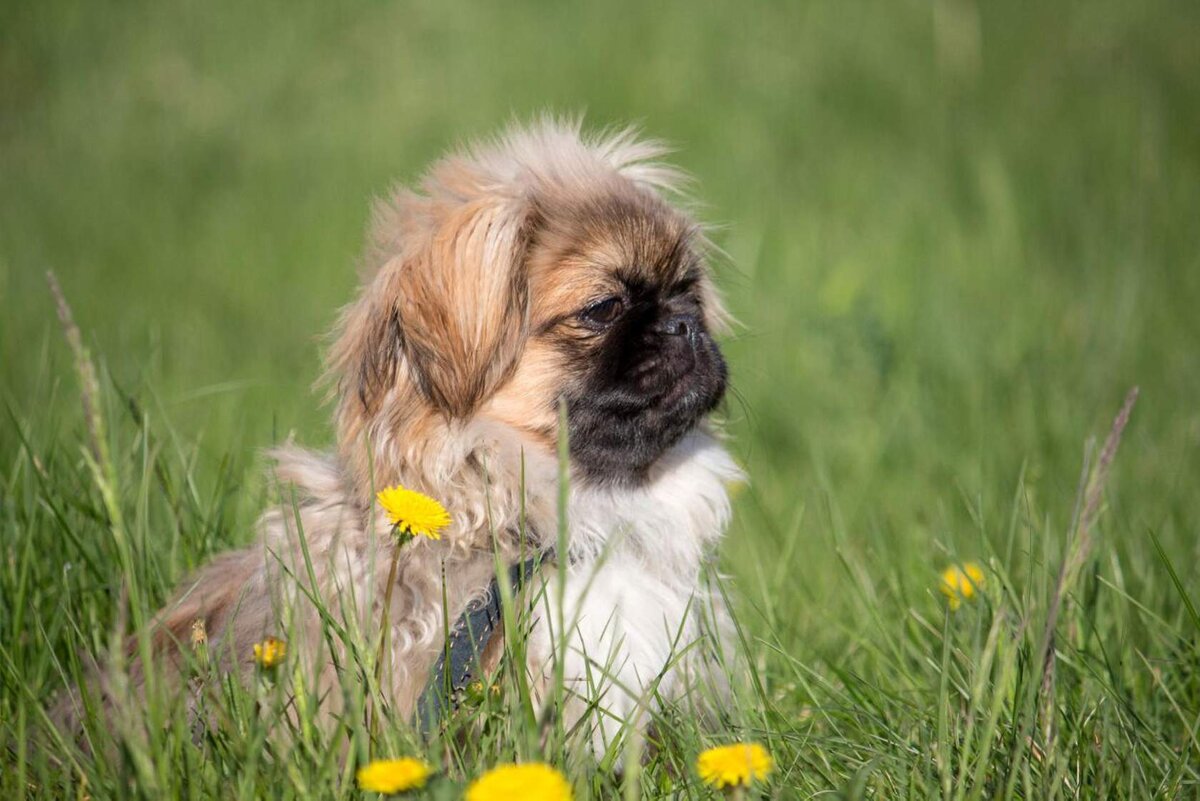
[(617, 437)]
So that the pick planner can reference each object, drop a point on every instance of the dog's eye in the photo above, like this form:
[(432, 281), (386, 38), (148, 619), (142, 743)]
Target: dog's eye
[(604, 312)]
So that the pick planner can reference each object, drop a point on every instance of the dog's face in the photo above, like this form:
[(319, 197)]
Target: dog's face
[(619, 329), (574, 282)]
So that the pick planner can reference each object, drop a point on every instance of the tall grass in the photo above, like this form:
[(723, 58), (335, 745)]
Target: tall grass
[(1041, 686)]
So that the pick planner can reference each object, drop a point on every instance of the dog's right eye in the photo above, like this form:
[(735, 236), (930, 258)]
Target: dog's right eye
[(603, 312)]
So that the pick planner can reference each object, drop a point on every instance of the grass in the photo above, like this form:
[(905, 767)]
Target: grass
[(957, 234)]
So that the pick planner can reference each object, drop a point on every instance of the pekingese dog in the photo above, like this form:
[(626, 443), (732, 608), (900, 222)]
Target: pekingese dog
[(542, 270)]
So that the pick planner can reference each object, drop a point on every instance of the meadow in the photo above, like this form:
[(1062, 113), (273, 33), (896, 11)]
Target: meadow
[(955, 235)]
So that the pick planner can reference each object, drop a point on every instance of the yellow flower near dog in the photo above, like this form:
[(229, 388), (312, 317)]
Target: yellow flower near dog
[(533, 781), (734, 765), (269, 653), (414, 513), (393, 775), (960, 582)]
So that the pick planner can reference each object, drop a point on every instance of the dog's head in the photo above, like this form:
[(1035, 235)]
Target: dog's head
[(540, 267)]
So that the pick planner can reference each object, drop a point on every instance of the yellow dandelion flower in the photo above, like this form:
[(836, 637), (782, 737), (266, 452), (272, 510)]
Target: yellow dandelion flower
[(414, 513), (393, 775), (200, 643), (960, 582), (734, 765), (199, 633), (269, 653), (533, 781), (476, 692)]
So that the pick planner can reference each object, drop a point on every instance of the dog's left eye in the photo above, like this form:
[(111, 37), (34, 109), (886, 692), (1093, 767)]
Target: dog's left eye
[(604, 312)]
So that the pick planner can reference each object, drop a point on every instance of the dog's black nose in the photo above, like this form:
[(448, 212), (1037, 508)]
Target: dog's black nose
[(678, 325)]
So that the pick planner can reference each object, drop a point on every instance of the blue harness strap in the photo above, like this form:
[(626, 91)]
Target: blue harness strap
[(458, 664)]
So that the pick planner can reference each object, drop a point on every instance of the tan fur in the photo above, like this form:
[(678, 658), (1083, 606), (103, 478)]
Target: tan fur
[(444, 383)]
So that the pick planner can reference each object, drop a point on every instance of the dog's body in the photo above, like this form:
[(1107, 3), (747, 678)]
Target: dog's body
[(541, 268)]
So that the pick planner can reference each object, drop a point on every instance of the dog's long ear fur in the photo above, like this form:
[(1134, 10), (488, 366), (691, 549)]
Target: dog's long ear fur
[(448, 302), (465, 296)]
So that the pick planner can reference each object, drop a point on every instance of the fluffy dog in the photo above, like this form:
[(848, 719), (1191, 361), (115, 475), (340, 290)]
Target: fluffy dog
[(541, 268)]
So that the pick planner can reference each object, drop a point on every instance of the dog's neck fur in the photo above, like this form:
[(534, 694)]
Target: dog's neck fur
[(671, 521), (495, 482)]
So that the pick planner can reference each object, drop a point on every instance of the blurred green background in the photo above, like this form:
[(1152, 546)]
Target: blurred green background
[(957, 233)]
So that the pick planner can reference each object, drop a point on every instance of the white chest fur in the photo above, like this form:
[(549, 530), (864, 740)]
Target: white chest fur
[(633, 597)]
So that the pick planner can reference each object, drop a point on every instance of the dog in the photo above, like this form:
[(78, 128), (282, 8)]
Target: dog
[(543, 270)]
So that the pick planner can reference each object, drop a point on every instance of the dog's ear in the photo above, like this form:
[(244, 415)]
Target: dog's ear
[(464, 307), (448, 303)]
